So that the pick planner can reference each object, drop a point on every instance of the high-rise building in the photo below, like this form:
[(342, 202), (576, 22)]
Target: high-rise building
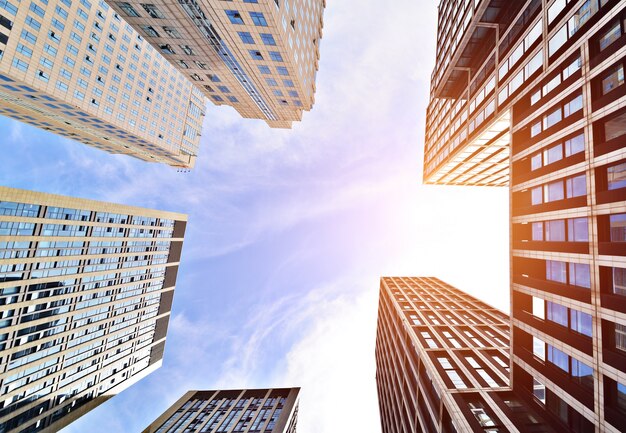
[(531, 94), (442, 362), (258, 56), (231, 411), (74, 67), (85, 295)]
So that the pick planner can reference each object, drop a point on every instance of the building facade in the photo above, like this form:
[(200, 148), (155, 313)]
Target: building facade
[(231, 411), (258, 56), (74, 67), (85, 295), (531, 94), (442, 362)]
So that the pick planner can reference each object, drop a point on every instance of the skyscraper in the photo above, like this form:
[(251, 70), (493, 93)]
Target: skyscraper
[(531, 94), (442, 362), (231, 411), (74, 67), (85, 295), (258, 56)]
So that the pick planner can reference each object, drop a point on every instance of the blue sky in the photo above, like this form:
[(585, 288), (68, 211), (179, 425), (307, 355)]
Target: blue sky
[(290, 230)]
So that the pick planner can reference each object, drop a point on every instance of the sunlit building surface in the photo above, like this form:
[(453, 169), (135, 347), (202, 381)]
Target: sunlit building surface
[(231, 411), (75, 68), (531, 94), (442, 362), (86, 290), (258, 56)]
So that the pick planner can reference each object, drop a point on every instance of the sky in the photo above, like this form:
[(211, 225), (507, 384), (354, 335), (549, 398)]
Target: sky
[(290, 230)]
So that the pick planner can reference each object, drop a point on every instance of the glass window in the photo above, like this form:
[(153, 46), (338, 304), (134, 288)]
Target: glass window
[(579, 275), (268, 39), (234, 17), (539, 348), (555, 230), (558, 358), (582, 373), (552, 119), (619, 281), (557, 40), (264, 69), (576, 186), (539, 390), (553, 191), (618, 227), (620, 337), (256, 55), (621, 397), (538, 307), (615, 127), (613, 79), (610, 36), (555, 9), (556, 271), (152, 10), (575, 145), (258, 19), (536, 195), (553, 154), (573, 106), (537, 231), (535, 162), (535, 129), (246, 37), (616, 175), (556, 313), (275, 56), (577, 230), (581, 322)]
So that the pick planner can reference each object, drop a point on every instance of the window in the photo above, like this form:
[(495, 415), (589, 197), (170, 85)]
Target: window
[(555, 230), (620, 337), (610, 36), (152, 10), (275, 56), (615, 127), (150, 31), (539, 348), (576, 186), (171, 31), (613, 79), (538, 307), (539, 391), (282, 70), (128, 9), (579, 275), (556, 271), (268, 39), (619, 281), (616, 176), (580, 322), (234, 16), (454, 376), (258, 19), (558, 358), (264, 69), (20, 64), (577, 230), (552, 119), (575, 145), (557, 313), (256, 55), (271, 82), (246, 37), (617, 224)]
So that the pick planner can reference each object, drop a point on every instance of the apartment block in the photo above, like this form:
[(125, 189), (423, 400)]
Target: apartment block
[(86, 290), (257, 56), (442, 362), (74, 67), (531, 94), (231, 411)]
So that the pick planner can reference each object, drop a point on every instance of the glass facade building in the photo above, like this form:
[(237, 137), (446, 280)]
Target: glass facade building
[(74, 67), (86, 290), (531, 95), (443, 364), (231, 411), (258, 56)]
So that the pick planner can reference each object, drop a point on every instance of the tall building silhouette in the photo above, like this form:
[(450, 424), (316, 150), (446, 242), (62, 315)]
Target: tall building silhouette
[(74, 67), (258, 56), (86, 290), (531, 94), (442, 362), (231, 411)]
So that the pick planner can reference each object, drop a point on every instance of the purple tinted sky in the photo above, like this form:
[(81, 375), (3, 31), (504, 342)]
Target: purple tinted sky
[(289, 231)]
